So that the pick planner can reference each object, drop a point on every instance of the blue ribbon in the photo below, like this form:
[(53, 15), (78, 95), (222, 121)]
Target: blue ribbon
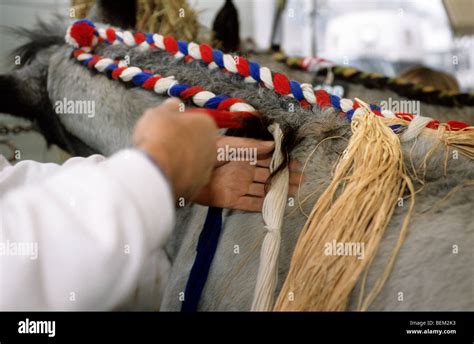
[(205, 251)]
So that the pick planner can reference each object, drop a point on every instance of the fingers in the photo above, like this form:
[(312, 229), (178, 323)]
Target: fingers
[(170, 104), (295, 178), (254, 200), (246, 184), (256, 189), (264, 162), (248, 203), (262, 149), (260, 163), (292, 190), (294, 165), (261, 175), (255, 204)]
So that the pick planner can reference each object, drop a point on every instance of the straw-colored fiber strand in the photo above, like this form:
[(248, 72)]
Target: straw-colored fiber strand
[(168, 17), (298, 196), (81, 7), (391, 261), (373, 176), (462, 140)]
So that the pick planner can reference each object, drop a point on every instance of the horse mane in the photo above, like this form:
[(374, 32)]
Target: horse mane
[(377, 81), (43, 35), (273, 107), (404, 89)]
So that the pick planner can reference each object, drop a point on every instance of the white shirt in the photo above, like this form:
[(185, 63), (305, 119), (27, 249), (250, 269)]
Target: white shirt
[(99, 227)]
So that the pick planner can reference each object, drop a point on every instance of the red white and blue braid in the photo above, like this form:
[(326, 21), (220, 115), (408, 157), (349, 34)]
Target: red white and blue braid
[(251, 71), (84, 35), (314, 63)]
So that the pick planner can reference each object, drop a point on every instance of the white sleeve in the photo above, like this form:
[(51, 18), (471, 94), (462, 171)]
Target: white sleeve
[(89, 237)]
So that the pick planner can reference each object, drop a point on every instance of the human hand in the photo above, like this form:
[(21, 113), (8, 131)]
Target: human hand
[(182, 144), (239, 184)]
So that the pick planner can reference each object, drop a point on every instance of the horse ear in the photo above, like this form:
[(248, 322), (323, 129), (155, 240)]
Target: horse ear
[(116, 13)]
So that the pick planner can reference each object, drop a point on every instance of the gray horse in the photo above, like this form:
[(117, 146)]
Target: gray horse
[(434, 269)]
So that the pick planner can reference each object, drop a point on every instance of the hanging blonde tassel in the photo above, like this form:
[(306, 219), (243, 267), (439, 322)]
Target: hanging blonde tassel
[(273, 211), (461, 140), (354, 209)]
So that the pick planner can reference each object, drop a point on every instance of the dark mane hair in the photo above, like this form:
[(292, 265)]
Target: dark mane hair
[(45, 34)]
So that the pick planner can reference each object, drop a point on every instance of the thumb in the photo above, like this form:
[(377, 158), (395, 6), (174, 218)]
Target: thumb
[(171, 104)]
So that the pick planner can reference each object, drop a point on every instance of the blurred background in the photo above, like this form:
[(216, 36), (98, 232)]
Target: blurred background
[(382, 36), (387, 36)]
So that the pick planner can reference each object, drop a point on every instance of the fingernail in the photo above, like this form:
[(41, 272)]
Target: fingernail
[(171, 100)]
